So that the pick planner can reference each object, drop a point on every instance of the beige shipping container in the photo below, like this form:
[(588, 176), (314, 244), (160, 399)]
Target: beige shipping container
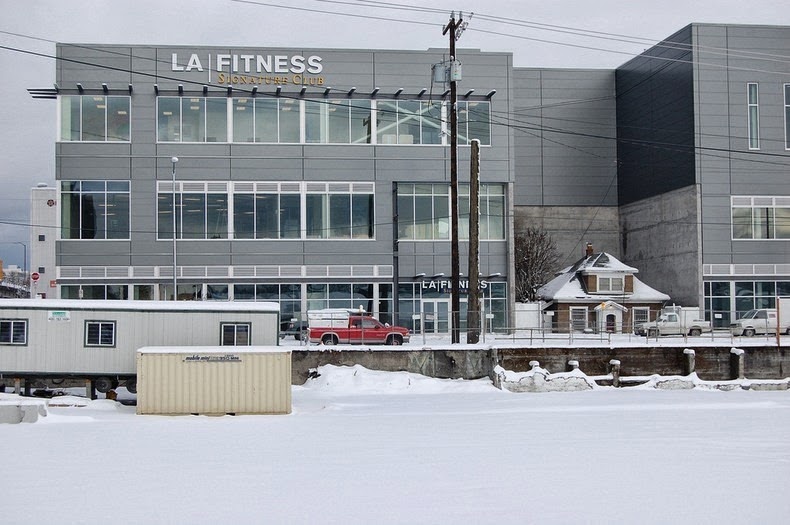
[(213, 380)]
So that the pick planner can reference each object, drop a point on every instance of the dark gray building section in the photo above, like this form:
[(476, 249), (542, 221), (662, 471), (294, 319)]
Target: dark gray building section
[(656, 170), (655, 120), (566, 175)]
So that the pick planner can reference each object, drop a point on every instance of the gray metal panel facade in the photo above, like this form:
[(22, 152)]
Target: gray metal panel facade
[(725, 165), (145, 162), (564, 122)]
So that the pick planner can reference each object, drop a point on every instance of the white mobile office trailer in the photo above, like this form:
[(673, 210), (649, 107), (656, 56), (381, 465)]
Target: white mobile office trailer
[(46, 342)]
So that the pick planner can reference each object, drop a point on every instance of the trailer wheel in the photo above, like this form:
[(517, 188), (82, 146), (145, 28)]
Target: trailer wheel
[(329, 340), (695, 332), (395, 340), (102, 384), (131, 385), (787, 332), (749, 332)]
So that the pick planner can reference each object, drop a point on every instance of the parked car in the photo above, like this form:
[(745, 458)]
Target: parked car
[(675, 320), (333, 326), (296, 328)]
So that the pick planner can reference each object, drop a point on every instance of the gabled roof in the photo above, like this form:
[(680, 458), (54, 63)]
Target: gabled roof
[(567, 286), (599, 263)]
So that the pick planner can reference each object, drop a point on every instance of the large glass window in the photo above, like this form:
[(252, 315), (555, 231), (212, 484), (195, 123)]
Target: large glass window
[(408, 122), (192, 119), (199, 215), (96, 209), (285, 120), (424, 211), (328, 121), (753, 107), (266, 216), (761, 217), (97, 118), (474, 122), (273, 210), (339, 213), (258, 120)]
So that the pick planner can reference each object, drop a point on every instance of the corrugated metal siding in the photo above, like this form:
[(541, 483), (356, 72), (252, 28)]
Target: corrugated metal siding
[(58, 346), (259, 383)]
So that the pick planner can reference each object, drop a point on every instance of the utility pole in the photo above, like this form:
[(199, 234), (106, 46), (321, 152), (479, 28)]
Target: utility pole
[(473, 310), (454, 28)]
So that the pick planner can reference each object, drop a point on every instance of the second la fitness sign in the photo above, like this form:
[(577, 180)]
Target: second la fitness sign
[(253, 69)]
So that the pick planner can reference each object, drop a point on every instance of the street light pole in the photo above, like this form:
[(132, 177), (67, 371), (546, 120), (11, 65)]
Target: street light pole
[(174, 160)]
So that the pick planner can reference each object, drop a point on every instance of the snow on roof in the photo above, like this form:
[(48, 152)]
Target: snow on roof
[(90, 304), (567, 286), (220, 350), (601, 262)]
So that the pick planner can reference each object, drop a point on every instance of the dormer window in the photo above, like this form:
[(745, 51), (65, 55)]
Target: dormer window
[(610, 284)]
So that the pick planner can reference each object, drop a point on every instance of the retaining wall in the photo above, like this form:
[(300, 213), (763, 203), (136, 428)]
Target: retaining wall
[(711, 363)]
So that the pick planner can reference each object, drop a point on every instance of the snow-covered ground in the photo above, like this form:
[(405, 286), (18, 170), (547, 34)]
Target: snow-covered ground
[(376, 447)]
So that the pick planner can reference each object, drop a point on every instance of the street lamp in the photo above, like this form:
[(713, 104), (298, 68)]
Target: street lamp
[(174, 160)]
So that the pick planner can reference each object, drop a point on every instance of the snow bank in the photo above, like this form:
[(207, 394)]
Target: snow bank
[(360, 380), (540, 380), (18, 409)]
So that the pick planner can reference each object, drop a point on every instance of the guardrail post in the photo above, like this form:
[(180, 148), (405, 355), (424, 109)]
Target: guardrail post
[(691, 361), (736, 363), (614, 369)]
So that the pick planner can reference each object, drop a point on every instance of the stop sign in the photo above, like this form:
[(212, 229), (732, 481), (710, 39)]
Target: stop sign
[(34, 276)]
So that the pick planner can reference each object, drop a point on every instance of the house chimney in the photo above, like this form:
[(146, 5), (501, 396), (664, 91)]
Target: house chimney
[(589, 250)]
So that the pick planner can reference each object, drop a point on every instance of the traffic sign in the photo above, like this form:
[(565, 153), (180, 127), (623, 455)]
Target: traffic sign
[(34, 276)]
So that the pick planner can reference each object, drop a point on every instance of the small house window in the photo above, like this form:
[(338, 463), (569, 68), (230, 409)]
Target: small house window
[(13, 331), (610, 284), (578, 319), (100, 333), (235, 334)]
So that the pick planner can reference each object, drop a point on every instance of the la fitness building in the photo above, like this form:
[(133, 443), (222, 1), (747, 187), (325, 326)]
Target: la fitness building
[(321, 177)]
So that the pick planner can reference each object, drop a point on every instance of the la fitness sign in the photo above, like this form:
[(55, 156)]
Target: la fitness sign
[(233, 69)]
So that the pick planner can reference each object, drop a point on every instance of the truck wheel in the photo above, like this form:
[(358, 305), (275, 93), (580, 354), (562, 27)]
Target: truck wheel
[(131, 385), (652, 333), (749, 332), (787, 332), (329, 340), (695, 332), (395, 340), (102, 384)]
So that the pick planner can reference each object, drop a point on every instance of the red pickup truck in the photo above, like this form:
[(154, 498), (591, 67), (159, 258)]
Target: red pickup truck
[(331, 328)]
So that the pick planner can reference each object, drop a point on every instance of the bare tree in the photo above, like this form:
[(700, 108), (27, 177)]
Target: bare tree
[(536, 261)]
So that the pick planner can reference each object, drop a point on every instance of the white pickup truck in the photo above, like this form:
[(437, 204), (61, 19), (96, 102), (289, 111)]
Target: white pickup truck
[(763, 320), (675, 320)]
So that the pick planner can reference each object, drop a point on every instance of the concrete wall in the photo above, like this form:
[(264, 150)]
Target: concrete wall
[(712, 363), (661, 239), (572, 227)]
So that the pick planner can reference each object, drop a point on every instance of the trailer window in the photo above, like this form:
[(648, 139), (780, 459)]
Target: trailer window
[(13, 331), (100, 333), (235, 334)]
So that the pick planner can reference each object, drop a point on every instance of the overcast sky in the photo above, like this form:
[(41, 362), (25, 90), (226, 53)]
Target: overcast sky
[(538, 33)]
